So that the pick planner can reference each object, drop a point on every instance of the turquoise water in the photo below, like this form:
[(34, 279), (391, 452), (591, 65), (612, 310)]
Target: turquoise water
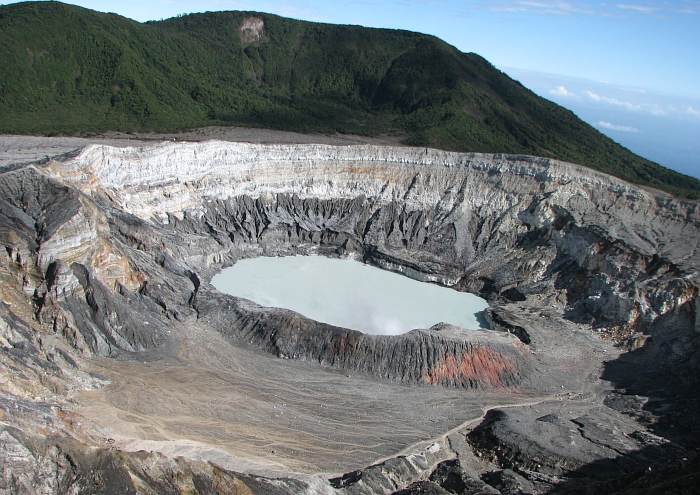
[(348, 294)]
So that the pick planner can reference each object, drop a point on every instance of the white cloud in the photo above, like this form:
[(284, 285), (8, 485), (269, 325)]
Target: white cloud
[(639, 9), (651, 108), (587, 7), (615, 127), (655, 109), (598, 98), (689, 7), (562, 91), (542, 7)]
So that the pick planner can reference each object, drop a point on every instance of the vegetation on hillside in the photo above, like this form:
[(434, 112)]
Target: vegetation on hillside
[(71, 70)]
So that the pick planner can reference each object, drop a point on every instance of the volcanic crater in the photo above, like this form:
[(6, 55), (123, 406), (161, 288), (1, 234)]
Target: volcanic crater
[(107, 300)]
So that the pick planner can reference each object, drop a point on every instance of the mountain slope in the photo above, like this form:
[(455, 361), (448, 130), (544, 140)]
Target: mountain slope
[(70, 70)]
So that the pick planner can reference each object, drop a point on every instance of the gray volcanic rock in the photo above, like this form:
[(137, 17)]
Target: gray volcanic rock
[(549, 444), (436, 357), (579, 439), (385, 477), (109, 252), (452, 477), (72, 468), (508, 482), (423, 488)]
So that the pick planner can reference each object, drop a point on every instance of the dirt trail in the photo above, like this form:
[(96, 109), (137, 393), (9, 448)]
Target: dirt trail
[(418, 446)]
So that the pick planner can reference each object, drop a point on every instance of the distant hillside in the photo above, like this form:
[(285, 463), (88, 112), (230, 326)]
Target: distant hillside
[(71, 70)]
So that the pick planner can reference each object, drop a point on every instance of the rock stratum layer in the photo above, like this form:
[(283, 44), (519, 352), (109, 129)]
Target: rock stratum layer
[(109, 252)]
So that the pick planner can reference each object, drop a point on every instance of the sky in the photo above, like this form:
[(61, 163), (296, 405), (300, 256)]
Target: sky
[(629, 67)]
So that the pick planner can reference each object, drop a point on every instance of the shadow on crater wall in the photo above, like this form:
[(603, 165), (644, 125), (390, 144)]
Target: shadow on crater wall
[(663, 398)]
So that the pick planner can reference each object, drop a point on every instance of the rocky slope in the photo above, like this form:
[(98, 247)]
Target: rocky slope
[(452, 217), (108, 252)]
